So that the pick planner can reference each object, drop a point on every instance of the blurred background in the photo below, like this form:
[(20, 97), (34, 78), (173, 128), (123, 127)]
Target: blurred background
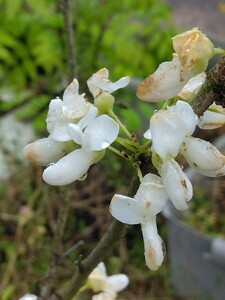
[(129, 38)]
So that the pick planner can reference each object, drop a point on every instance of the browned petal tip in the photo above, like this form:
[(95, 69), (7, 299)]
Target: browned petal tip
[(145, 87)]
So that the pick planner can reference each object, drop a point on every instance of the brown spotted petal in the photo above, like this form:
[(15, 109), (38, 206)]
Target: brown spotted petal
[(165, 83)]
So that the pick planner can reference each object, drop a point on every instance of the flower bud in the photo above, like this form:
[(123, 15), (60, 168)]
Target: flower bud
[(194, 50), (104, 102), (44, 151)]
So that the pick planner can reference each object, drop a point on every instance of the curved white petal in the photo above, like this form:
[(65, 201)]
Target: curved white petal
[(168, 132), (57, 121), (176, 183), (69, 168), (44, 151), (151, 178), (211, 120), (148, 134), (99, 82), (100, 133), (89, 117), (165, 83), (186, 113), (202, 155), (191, 89), (118, 282), (152, 198), (76, 133), (126, 209), (74, 105), (153, 245)]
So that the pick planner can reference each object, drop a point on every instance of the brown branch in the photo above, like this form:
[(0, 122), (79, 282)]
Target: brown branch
[(213, 89), (65, 6)]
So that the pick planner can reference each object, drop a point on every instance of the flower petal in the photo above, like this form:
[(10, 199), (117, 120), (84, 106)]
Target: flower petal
[(194, 50), (57, 121), (76, 133), (153, 245), (186, 113), (89, 117), (29, 297), (176, 183), (202, 155), (100, 133), (125, 209), (191, 89), (168, 132), (99, 82), (69, 168), (74, 105), (118, 282), (212, 119), (44, 151), (165, 83)]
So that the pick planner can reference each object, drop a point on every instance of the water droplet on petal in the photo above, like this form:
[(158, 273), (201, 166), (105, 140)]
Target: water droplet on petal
[(83, 177), (51, 164)]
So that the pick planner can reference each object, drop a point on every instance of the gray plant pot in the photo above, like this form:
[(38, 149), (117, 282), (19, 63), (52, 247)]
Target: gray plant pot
[(197, 261)]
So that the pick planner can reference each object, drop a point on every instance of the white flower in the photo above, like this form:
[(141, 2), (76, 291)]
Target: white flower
[(29, 297), (149, 200), (176, 183), (168, 128), (166, 82), (44, 151), (99, 132), (93, 134), (109, 285), (99, 83), (212, 118), (61, 113), (203, 156), (74, 105), (194, 50)]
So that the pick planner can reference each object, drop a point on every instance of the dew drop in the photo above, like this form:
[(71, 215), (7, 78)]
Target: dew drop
[(83, 177)]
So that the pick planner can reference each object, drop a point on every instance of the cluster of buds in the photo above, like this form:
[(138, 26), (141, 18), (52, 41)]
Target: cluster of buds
[(90, 128)]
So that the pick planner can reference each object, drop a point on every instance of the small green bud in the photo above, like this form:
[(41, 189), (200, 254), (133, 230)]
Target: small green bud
[(104, 102)]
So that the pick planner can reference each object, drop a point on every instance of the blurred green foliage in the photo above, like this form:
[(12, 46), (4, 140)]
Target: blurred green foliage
[(128, 37)]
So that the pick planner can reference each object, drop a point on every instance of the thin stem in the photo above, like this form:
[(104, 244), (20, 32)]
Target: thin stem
[(128, 144), (122, 126), (120, 153)]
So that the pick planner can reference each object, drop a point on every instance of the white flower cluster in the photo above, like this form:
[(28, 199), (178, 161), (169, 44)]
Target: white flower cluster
[(75, 119), (92, 130), (171, 132)]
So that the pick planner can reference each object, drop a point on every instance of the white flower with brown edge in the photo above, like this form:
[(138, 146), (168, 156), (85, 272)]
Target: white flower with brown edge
[(203, 156), (165, 83), (149, 200), (94, 134), (194, 50), (176, 183), (109, 286), (44, 151)]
